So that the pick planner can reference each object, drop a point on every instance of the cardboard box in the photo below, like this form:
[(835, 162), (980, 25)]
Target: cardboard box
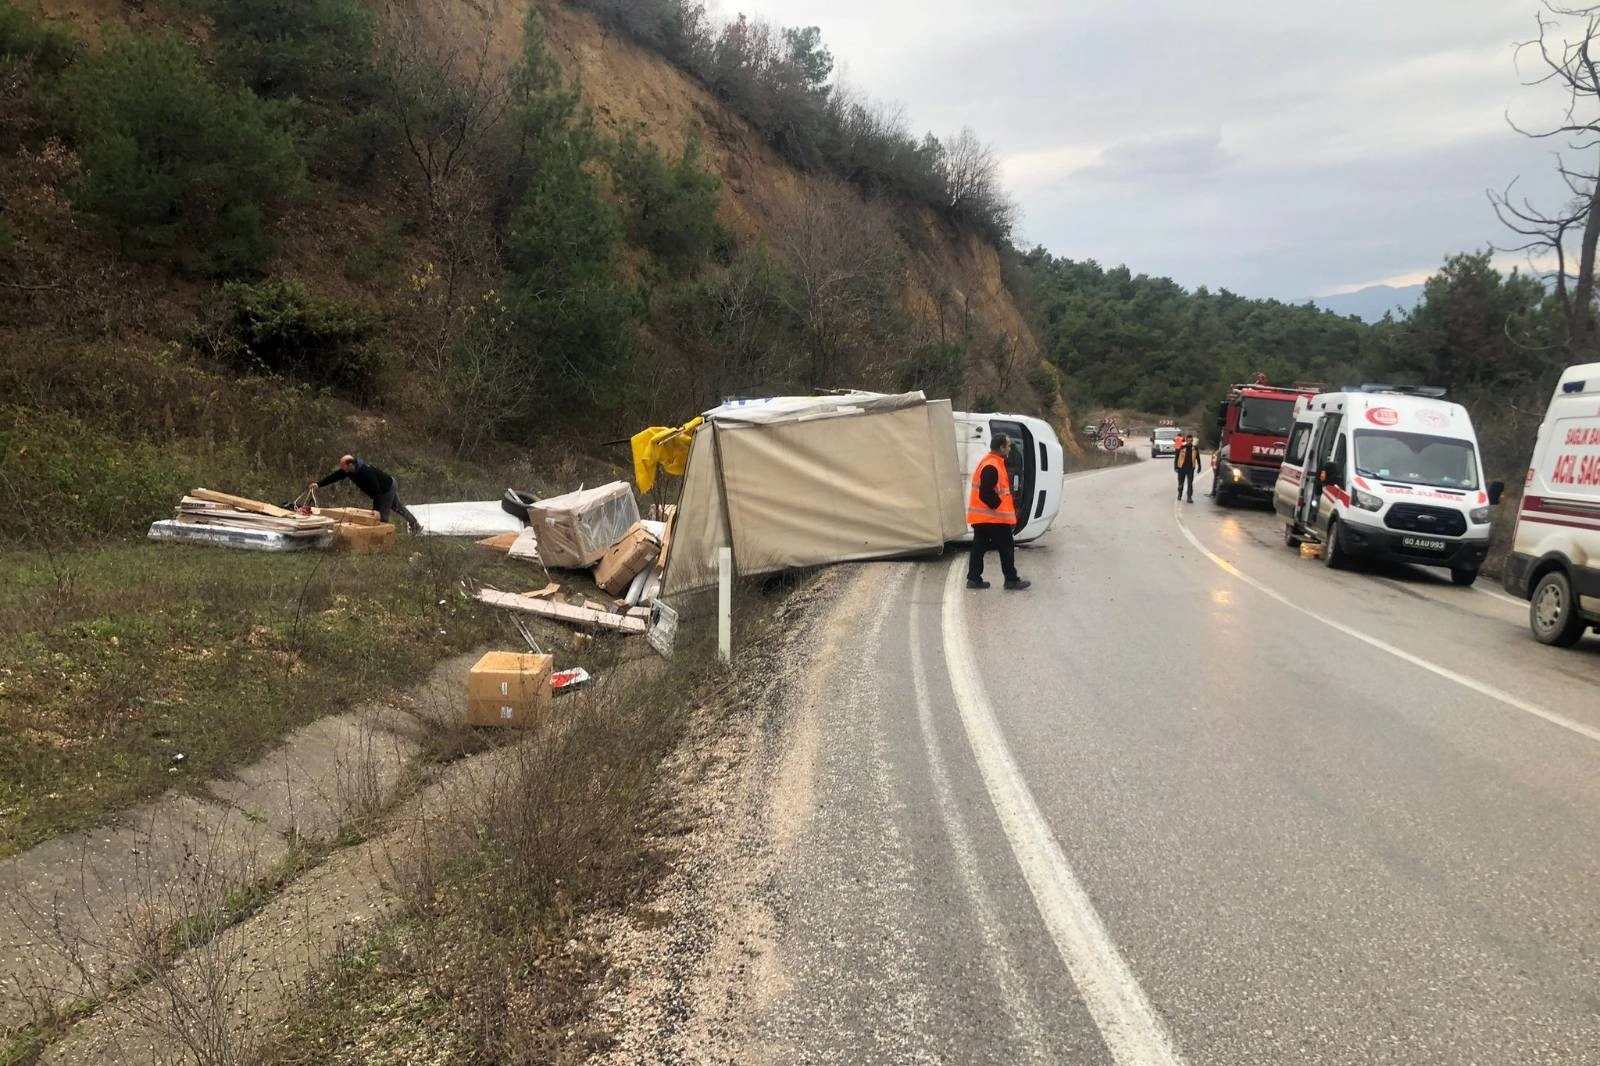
[(354, 515), (509, 689), (363, 540), (626, 560), (575, 530)]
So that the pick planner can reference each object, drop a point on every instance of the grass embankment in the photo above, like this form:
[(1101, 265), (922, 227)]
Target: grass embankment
[(495, 961), (121, 658)]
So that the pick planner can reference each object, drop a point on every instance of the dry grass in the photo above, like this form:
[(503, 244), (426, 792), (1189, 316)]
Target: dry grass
[(118, 661), (488, 963)]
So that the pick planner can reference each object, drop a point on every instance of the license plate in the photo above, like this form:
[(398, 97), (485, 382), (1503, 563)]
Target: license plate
[(1423, 544)]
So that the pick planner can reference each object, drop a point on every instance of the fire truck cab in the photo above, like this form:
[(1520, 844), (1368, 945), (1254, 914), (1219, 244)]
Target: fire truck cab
[(1253, 425)]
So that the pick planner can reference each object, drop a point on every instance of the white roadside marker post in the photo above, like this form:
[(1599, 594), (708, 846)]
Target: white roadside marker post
[(725, 605)]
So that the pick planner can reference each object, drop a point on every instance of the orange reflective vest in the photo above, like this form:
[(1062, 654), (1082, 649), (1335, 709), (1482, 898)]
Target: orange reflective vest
[(980, 513)]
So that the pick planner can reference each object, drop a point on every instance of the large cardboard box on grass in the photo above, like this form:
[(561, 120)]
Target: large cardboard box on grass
[(509, 689), (363, 540), (575, 530), (626, 559)]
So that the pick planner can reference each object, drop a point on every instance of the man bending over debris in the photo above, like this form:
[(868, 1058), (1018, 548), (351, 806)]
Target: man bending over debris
[(381, 487)]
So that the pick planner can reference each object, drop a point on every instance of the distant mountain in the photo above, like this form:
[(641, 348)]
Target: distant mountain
[(1371, 303)]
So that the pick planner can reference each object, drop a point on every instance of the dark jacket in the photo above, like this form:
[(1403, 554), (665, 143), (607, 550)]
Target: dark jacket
[(368, 478), (1188, 457), (988, 486)]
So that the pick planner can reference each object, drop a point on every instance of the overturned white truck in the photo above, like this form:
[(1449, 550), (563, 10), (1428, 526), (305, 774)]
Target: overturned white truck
[(799, 481)]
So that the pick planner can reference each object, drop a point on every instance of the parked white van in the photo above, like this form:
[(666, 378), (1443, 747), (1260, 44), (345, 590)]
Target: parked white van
[(1555, 552), (1384, 471), (1036, 466)]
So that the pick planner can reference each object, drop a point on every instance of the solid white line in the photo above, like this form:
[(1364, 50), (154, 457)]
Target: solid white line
[(1521, 605), (1399, 653), (1133, 1032)]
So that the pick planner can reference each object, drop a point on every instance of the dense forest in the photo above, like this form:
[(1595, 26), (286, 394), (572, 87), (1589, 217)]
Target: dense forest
[(1130, 341)]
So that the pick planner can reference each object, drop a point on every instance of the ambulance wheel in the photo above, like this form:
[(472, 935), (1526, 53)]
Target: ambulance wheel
[(1463, 576), (1333, 556), (1552, 614), (1289, 539)]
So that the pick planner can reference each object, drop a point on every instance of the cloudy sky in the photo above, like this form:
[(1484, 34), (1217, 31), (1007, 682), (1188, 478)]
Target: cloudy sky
[(1291, 149)]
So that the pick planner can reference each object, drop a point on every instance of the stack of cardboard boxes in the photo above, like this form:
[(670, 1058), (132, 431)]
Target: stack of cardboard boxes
[(509, 689)]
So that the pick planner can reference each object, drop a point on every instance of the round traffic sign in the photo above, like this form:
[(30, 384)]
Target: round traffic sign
[(1111, 443)]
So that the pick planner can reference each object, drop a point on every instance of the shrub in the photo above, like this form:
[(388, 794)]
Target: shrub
[(574, 321), (1045, 380), (310, 49), (282, 329), (672, 206), (169, 159), (62, 480), (46, 48), (937, 369)]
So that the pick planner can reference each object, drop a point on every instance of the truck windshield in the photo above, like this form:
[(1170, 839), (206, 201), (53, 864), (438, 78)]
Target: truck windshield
[(1272, 418), (1416, 459)]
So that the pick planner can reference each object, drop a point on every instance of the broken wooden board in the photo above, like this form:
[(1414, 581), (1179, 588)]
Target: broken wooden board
[(500, 542), (243, 503), (666, 539), (525, 546), (544, 593), (561, 612)]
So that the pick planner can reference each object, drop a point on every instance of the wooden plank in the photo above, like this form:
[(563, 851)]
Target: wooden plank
[(525, 547), (561, 612), (244, 503), (666, 540), (544, 593), (359, 516), (500, 543)]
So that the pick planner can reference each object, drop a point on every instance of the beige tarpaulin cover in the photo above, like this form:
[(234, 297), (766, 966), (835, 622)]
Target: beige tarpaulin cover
[(803, 481)]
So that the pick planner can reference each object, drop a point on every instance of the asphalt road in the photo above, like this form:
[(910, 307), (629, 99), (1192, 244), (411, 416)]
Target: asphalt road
[(1191, 799)]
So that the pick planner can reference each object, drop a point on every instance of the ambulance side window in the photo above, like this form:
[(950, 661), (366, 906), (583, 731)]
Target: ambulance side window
[(1299, 440), (1330, 437), (1339, 454)]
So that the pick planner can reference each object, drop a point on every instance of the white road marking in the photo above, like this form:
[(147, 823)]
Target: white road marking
[(1521, 605), (1445, 672), (1019, 1003), (1132, 1030)]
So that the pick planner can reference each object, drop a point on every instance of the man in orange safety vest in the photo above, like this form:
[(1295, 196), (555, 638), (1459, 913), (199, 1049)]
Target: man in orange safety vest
[(993, 516)]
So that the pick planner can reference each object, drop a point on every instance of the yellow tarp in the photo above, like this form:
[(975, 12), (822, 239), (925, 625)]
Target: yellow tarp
[(666, 447)]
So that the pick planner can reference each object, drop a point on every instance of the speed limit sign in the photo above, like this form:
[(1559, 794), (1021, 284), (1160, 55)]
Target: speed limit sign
[(1111, 443)]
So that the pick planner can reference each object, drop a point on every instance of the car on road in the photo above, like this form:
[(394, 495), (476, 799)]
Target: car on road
[(1555, 552), (1383, 471), (1164, 441)]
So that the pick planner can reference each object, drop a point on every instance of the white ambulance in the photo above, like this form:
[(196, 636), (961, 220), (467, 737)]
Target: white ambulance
[(1385, 471), (1555, 553)]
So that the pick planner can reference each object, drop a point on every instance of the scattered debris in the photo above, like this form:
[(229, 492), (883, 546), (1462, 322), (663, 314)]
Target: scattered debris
[(563, 680), (500, 543), (526, 547), (544, 593), (357, 539), (516, 504), (561, 612), (358, 516), (216, 518)]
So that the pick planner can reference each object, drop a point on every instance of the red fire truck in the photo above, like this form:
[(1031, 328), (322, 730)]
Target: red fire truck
[(1253, 427)]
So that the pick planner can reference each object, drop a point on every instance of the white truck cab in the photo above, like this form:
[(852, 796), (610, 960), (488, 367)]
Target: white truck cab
[(1555, 552), (1386, 472), (1035, 464)]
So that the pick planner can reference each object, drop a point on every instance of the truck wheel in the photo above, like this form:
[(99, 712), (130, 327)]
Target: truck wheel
[(1289, 539), (1333, 556), (1552, 614), (1463, 575), (1224, 496)]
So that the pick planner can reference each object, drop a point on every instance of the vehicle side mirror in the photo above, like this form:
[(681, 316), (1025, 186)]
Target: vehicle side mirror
[(1497, 489)]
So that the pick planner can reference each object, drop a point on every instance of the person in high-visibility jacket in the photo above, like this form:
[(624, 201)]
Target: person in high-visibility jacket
[(993, 517), (1187, 463)]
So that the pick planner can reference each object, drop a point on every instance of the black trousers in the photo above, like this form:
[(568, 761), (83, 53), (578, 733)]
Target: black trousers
[(389, 503), (1185, 480), (995, 536)]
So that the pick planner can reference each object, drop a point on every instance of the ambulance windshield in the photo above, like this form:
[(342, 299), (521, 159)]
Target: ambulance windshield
[(1416, 459)]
